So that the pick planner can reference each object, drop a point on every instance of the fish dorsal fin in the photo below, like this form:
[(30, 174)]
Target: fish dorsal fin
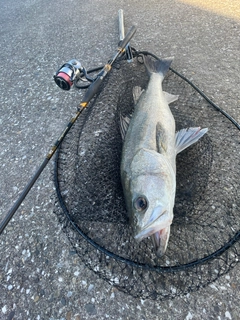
[(187, 137), (124, 124), (170, 97), (137, 92)]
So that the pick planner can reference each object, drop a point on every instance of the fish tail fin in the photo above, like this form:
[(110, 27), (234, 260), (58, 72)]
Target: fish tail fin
[(157, 66)]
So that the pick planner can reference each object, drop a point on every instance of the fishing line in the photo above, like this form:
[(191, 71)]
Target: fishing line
[(138, 55), (73, 74)]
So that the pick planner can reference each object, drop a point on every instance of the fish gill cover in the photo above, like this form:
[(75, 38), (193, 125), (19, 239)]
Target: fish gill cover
[(204, 241)]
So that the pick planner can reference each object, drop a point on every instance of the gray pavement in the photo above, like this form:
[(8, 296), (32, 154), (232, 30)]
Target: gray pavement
[(40, 276)]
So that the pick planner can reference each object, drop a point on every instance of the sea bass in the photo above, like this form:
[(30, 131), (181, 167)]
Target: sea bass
[(148, 165)]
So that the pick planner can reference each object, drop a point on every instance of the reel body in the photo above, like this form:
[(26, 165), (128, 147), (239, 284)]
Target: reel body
[(68, 72)]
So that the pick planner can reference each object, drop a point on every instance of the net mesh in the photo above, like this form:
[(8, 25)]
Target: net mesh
[(204, 240)]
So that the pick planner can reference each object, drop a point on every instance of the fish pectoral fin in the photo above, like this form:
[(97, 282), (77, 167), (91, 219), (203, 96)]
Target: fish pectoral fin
[(170, 97), (137, 92), (124, 124), (161, 139), (160, 240), (187, 137)]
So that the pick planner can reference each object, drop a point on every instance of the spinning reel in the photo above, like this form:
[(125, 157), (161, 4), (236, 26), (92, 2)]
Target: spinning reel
[(71, 73)]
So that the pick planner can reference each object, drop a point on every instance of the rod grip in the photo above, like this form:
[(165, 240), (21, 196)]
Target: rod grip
[(92, 90), (127, 38)]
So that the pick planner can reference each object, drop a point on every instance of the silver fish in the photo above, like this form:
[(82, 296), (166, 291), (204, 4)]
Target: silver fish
[(148, 165)]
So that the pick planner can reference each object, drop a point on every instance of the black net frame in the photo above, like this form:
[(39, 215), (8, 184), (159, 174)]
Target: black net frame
[(204, 241)]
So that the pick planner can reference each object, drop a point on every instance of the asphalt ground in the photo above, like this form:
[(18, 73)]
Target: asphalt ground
[(41, 277)]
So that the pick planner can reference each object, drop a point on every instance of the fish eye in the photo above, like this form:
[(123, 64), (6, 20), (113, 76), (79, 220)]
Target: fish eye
[(140, 203)]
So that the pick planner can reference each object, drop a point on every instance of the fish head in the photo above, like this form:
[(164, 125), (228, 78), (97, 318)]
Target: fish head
[(150, 206), (152, 210)]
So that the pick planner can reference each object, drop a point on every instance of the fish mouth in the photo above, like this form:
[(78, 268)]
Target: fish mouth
[(159, 232), (153, 226), (160, 241), (159, 238)]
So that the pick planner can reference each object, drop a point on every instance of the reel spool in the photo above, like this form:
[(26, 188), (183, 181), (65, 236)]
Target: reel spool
[(68, 72)]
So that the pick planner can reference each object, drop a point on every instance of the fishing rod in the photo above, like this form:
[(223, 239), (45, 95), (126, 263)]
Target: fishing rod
[(70, 73), (73, 73)]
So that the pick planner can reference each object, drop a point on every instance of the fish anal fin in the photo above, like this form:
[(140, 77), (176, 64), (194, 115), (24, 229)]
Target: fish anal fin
[(187, 137)]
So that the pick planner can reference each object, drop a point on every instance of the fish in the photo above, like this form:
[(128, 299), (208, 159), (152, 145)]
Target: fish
[(148, 160)]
